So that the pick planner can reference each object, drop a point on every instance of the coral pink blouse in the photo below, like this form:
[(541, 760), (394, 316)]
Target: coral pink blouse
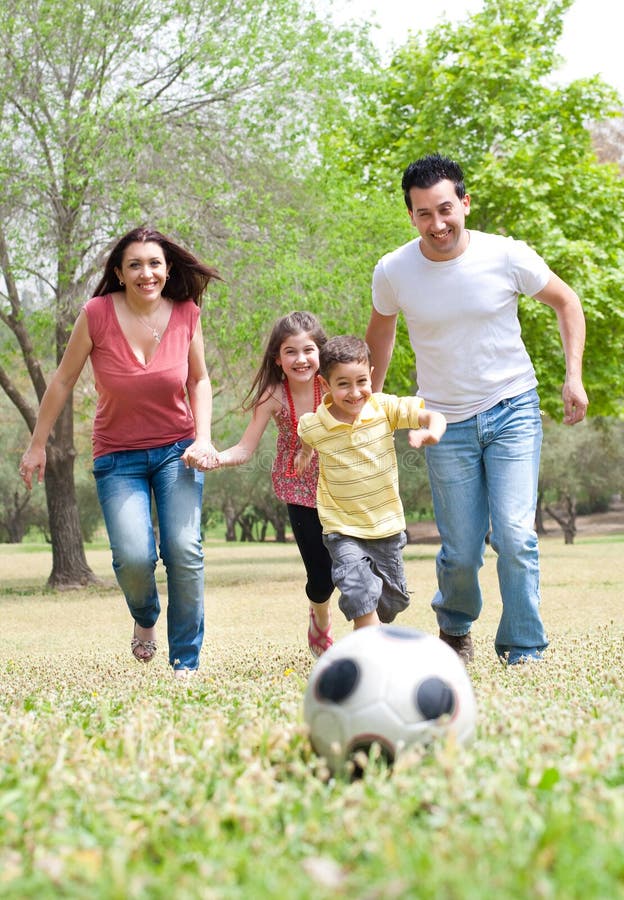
[(140, 405)]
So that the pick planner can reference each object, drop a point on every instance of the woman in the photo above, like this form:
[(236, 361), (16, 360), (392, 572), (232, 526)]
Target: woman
[(142, 332)]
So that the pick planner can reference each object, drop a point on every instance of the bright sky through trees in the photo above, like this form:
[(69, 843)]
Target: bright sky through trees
[(590, 45)]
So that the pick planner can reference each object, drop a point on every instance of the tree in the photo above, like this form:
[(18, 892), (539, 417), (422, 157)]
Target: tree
[(483, 91), (20, 510), (581, 468), (114, 112)]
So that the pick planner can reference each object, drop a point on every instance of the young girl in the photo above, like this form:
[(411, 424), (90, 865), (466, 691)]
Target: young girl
[(286, 386)]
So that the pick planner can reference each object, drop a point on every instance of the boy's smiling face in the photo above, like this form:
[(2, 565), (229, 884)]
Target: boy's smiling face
[(350, 387)]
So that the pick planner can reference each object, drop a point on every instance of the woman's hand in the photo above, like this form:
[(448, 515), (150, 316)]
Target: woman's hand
[(32, 461)]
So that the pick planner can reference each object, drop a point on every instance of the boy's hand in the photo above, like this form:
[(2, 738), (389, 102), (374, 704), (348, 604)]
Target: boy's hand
[(302, 460), (433, 427), (418, 437)]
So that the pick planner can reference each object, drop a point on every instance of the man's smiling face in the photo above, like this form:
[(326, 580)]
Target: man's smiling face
[(440, 217)]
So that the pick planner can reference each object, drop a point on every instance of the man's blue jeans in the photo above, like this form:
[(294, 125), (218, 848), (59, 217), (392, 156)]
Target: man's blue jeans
[(483, 474), (126, 482)]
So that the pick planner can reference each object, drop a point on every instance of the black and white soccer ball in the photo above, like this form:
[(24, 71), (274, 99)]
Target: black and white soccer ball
[(392, 686)]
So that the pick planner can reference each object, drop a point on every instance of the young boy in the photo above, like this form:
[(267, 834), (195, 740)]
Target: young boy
[(358, 488)]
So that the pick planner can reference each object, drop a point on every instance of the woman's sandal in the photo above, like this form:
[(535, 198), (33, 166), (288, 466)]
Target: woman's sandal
[(144, 651), (318, 640)]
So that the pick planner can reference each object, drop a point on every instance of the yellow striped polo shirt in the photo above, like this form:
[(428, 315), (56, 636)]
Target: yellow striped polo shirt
[(358, 486)]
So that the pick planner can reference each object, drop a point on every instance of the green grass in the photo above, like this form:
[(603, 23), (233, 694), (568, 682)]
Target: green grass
[(118, 782)]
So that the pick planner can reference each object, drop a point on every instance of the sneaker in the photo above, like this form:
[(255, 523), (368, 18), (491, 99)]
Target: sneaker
[(461, 644), (520, 655), (184, 674)]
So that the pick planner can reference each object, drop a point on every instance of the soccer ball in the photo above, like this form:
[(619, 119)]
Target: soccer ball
[(386, 685)]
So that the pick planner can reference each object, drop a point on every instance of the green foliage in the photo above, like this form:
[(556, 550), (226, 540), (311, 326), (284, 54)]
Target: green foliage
[(316, 253), (162, 120), (117, 113), (413, 480), (482, 92)]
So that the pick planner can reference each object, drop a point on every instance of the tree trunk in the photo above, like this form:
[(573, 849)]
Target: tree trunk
[(278, 518), (229, 514), (15, 523), (280, 531), (246, 522), (69, 564), (568, 521)]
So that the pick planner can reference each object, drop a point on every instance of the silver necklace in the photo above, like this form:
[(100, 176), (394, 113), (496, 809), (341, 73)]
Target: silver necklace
[(154, 332)]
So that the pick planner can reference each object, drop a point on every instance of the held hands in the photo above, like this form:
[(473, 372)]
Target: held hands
[(207, 460), (200, 455), (210, 462)]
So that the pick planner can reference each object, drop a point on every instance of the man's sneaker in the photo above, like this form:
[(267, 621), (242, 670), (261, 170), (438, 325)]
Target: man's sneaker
[(520, 655), (461, 644)]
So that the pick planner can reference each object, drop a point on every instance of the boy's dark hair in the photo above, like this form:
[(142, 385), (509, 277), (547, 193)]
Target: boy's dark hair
[(429, 170), (346, 348)]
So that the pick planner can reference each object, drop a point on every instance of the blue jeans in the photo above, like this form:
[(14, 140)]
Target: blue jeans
[(484, 474), (125, 483)]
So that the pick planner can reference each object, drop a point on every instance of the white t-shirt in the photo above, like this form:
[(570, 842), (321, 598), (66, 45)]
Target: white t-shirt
[(462, 319)]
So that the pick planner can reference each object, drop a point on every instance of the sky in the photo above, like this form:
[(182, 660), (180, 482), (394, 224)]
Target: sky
[(591, 43)]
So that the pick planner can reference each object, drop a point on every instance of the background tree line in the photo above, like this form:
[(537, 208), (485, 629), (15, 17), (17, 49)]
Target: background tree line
[(273, 143)]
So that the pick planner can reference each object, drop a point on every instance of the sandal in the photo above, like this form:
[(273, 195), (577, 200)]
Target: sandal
[(318, 640), (144, 651)]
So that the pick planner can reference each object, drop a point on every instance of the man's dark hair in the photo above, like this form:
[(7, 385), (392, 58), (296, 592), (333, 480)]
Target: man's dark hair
[(345, 348), (429, 170)]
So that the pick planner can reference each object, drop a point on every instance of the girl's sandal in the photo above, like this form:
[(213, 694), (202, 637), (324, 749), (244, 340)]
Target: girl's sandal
[(144, 651), (318, 640)]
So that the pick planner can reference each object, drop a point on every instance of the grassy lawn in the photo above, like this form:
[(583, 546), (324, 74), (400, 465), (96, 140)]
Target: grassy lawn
[(118, 782)]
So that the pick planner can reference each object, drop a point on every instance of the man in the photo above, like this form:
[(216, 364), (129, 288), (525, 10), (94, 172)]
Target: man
[(458, 290)]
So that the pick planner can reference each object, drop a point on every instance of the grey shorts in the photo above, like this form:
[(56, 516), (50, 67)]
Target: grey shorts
[(369, 574)]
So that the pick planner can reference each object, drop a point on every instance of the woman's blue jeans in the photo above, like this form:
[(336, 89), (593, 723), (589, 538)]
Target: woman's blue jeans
[(483, 474), (126, 482)]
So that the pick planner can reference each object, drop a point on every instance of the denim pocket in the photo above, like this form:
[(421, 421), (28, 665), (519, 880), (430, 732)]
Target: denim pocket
[(524, 401), (103, 465)]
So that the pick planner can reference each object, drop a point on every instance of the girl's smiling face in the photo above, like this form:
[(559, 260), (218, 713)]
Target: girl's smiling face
[(298, 357)]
